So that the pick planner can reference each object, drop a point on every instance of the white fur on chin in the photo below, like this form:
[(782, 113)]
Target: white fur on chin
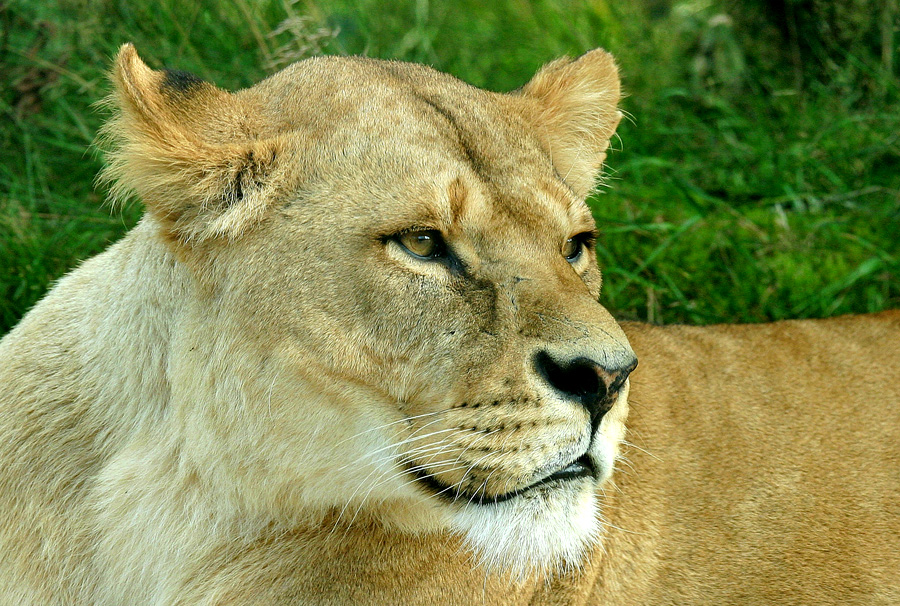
[(547, 530)]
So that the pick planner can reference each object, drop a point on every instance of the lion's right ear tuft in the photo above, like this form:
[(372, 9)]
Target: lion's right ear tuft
[(578, 113), (184, 147)]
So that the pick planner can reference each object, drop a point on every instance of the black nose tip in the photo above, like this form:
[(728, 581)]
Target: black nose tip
[(585, 380)]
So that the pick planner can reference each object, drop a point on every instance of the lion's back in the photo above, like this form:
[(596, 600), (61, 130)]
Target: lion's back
[(776, 445)]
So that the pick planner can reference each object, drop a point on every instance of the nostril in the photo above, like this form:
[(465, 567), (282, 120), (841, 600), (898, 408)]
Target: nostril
[(578, 379), (620, 376), (585, 381)]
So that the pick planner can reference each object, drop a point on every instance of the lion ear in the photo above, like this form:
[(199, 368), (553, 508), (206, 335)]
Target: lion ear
[(577, 114), (188, 150)]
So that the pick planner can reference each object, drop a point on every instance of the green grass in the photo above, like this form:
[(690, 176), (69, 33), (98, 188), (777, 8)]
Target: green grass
[(733, 194)]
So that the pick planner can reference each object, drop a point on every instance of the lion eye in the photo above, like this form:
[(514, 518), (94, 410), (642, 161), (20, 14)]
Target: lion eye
[(427, 244), (573, 248)]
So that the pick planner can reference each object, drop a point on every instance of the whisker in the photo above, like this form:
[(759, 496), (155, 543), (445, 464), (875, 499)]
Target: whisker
[(612, 485), (386, 425), (443, 443), (646, 452), (436, 449), (414, 480), (395, 445), (377, 467), (471, 467), (381, 482), (355, 491), (626, 461), (498, 451)]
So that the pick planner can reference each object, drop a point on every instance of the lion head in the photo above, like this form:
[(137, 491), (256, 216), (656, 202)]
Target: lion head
[(394, 310)]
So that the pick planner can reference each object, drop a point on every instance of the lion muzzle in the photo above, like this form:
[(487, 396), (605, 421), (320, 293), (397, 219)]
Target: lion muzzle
[(584, 380)]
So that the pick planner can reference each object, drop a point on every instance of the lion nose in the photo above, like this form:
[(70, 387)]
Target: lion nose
[(586, 381)]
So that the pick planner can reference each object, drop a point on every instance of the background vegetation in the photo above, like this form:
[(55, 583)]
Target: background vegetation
[(757, 178)]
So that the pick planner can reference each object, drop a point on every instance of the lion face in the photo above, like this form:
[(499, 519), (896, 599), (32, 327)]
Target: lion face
[(399, 316)]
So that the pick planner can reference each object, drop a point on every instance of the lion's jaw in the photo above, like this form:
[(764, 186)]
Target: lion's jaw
[(339, 373), (547, 529)]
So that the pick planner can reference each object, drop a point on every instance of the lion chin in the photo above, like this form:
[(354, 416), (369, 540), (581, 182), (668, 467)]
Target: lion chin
[(546, 531), (552, 526)]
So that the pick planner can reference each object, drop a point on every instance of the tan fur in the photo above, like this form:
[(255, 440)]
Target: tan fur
[(229, 405)]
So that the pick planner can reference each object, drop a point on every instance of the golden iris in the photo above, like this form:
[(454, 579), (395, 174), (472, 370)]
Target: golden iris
[(426, 243)]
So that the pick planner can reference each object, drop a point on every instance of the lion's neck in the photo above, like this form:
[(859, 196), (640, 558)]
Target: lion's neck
[(91, 365), (102, 334), (136, 292)]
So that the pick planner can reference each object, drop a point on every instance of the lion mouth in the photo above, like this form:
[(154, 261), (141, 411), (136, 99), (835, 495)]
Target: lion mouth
[(581, 467)]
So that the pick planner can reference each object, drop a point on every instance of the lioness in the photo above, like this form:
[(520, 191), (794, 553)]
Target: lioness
[(353, 354)]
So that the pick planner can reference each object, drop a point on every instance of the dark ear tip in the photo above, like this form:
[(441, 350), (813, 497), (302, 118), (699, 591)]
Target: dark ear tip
[(178, 81)]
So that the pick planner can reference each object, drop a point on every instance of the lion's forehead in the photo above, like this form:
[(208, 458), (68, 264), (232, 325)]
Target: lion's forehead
[(400, 110), (426, 147)]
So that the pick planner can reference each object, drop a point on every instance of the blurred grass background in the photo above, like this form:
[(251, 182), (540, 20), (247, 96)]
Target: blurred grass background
[(756, 178)]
